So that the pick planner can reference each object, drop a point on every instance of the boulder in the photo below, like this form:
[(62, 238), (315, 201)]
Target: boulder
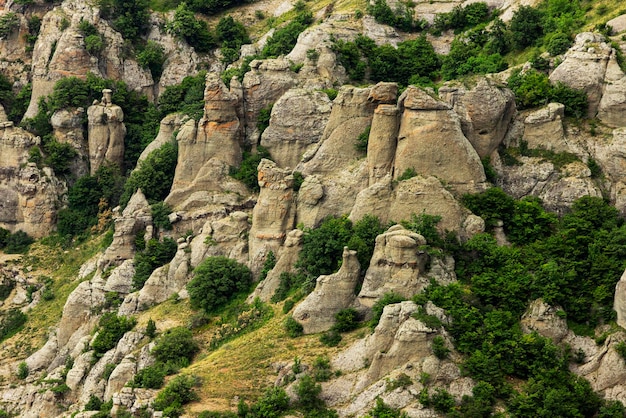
[(485, 110), (544, 320), (397, 266), (332, 294), (612, 107), (431, 142), (543, 128), (297, 121), (584, 67)]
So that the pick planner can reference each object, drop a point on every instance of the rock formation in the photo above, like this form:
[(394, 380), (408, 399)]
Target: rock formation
[(68, 129), (106, 133)]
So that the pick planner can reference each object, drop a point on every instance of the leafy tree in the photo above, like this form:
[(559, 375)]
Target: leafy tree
[(177, 393), (216, 280), (272, 405), (247, 172), (130, 18), (193, 31), (284, 39), (152, 57), (156, 253), (308, 394), (526, 27), (231, 34), (9, 22), (111, 328), (176, 346), (186, 97)]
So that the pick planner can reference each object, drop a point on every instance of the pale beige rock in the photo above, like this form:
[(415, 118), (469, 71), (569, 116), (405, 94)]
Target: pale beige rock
[(584, 67), (384, 93), (67, 125), (619, 304), (297, 121), (430, 141), (544, 319), (106, 133), (121, 278), (285, 262), (618, 24), (167, 128), (273, 215), (397, 266), (381, 146), (332, 294), (122, 374), (485, 110), (543, 128), (612, 105), (77, 318)]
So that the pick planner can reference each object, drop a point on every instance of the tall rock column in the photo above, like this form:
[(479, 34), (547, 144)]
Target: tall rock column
[(383, 139), (106, 132), (274, 213)]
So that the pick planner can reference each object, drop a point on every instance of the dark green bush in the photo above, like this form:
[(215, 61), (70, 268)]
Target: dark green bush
[(526, 27), (176, 346), (346, 320), (461, 17), (152, 57), (111, 328), (160, 215), (439, 347), (151, 377), (284, 39), (231, 34), (130, 18), (293, 328), (93, 404), (272, 405), (382, 410), (18, 243), (9, 22), (157, 253), (216, 281), (193, 31), (362, 140), (247, 172), (177, 393), (331, 338), (58, 155), (186, 97), (558, 43), (22, 370), (379, 306)]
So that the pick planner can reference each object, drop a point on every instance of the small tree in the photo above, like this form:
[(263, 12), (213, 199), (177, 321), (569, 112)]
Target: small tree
[(176, 345), (216, 280)]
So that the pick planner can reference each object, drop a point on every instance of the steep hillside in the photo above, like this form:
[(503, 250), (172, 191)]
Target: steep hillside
[(332, 208)]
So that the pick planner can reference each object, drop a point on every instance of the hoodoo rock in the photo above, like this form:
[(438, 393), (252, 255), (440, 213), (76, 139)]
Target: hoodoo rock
[(106, 133)]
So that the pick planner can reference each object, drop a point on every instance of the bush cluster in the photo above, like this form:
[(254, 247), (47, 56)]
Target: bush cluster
[(111, 328), (248, 172), (461, 18), (178, 392), (155, 254), (14, 243)]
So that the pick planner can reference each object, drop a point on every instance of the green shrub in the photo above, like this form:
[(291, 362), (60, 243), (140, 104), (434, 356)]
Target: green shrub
[(151, 329), (346, 320), (298, 179), (231, 34), (620, 348), (558, 43), (247, 172), (186, 97), (308, 394), (263, 120), (177, 393), (425, 225), (439, 347), (93, 404), (175, 346), (58, 155), (272, 405), (111, 328), (152, 57), (362, 140), (321, 369), (94, 44), (108, 370), (331, 338), (461, 17), (193, 31), (156, 254), (409, 173), (160, 212), (288, 306), (151, 377), (11, 323), (18, 243), (130, 18), (284, 39), (9, 22), (22, 371), (442, 401), (526, 27), (216, 281), (293, 328), (379, 306)]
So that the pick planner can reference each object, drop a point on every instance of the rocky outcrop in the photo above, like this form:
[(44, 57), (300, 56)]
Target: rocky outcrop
[(285, 263), (619, 304), (273, 214), (395, 267), (106, 133), (544, 320), (135, 218), (612, 106), (431, 142), (382, 142), (584, 67), (168, 128), (67, 125), (332, 294), (298, 120), (205, 153), (485, 110), (543, 128), (30, 196)]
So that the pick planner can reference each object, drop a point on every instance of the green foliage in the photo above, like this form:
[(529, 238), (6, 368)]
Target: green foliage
[(402, 381), (363, 239), (298, 179), (16, 243), (152, 57), (377, 309), (401, 18), (58, 155), (130, 18), (439, 347), (22, 370), (151, 377), (284, 39), (186, 97), (382, 410), (491, 205), (620, 348), (287, 283), (293, 328), (272, 405), (93, 404), (263, 120), (362, 140), (231, 34), (175, 346), (9, 22), (308, 394), (160, 215), (94, 44), (247, 171), (156, 253), (409, 173), (526, 27), (331, 338), (534, 89), (473, 53), (216, 280), (558, 43), (110, 330), (461, 17), (178, 392), (151, 329), (268, 265), (193, 31), (321, 369), (425, 225), (346, 320), (154, 176), (442, 401)]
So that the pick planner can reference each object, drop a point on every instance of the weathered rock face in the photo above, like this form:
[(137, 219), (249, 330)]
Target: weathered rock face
[(544, 320), (543, 128), (273, 215), (135, 217), (431, 142), (485, 110), (396, 266), (225, 236), (382, 142), (332, 293), (205, 153), (619, 305), (612, 107), (609, 154), (68, 128), (584, 67), (106, 133), (399, 344), (30, 196), (298, 120), (285, 262), (167, 128)]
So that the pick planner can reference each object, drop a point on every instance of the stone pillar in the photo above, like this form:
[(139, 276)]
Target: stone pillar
[(106, 132), (381, 146)]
